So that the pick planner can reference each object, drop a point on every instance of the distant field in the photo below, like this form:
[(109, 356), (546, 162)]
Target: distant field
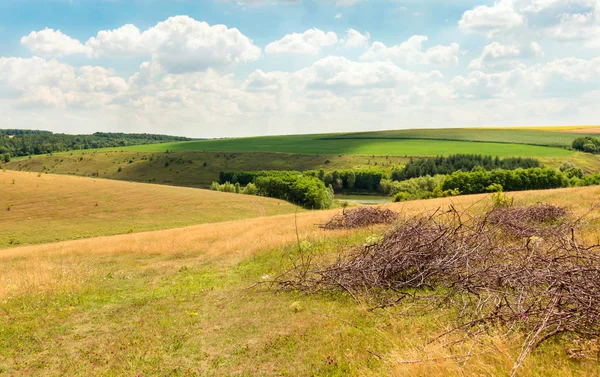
[(183, 302), (46, 208), (355, 144), (554, 137)]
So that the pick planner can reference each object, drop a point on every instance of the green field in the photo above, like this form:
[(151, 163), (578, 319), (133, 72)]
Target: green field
[(316, 144), (507, 135)]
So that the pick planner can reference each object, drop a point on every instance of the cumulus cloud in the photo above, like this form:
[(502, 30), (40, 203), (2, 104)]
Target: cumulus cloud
[(309, 43), (356, 39), (51, 83), (558, 78), (491, 19), (412, 52), (178, 44), (49, 42), (497, 53), (560, 20)]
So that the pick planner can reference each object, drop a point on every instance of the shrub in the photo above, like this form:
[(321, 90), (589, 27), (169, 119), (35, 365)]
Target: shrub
[(305, 190), (586, 144), (250, 189)]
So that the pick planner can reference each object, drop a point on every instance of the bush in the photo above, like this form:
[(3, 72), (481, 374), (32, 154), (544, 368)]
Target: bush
[(586, 144), (225, 187), (250, 189), (304, 190)]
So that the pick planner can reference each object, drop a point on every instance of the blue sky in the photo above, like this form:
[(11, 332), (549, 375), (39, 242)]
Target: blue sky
[(296, 66)]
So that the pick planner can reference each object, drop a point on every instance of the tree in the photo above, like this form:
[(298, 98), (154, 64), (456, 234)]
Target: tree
[(351, 180)]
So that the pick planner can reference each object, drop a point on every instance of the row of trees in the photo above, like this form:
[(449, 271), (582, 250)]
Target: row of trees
[(587, 144), (480, 181), (14, 143), (465, 162), (339, 180)]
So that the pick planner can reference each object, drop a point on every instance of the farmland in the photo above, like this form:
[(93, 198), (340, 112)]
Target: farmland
[(375, 144), (180, 302), (41, 208)]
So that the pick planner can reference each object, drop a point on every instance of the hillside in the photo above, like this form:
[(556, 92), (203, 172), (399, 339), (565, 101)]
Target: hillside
[(371, 144), (41, 208), (179, 302), (198, 163), (526, 142), (195, 169)]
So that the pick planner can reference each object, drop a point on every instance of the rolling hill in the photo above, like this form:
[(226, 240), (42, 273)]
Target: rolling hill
[(185, 302), (41, 208)]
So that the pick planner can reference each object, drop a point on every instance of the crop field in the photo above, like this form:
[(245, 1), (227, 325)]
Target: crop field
[(185, 302), (374, 144), (41, 208)]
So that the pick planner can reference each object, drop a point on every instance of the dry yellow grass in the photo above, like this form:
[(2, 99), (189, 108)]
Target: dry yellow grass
[(41, 208), (230, 241), (105, 294)]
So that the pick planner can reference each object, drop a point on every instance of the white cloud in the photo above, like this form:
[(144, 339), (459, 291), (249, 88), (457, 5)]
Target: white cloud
[(49, 42), (492, 20), (340, 74), (309, 43), (50, 83), (568, 77), (178, 44), (496, 53), (412, 52), (560, 20), (122, 42), (338, 16), (356, 39), (182, 44)]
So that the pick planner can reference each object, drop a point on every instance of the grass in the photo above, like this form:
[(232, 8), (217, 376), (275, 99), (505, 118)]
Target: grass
[(193, 169), (379, 144), (42, 208), (177, 302)]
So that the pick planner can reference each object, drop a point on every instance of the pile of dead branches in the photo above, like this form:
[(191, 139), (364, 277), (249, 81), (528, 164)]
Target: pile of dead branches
[(360, 217), (521, 267)]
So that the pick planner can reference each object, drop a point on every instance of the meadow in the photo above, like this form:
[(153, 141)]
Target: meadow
[(185, 302), (41, 208)]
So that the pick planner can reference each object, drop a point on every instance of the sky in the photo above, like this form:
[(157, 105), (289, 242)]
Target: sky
[(226, 68)]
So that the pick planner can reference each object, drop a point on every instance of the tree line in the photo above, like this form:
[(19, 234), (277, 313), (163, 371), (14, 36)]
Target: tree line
[(15, 143), (367, 180), (422, 167)]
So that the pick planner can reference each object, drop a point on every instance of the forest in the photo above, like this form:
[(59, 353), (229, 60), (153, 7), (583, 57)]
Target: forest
[(16, 143)]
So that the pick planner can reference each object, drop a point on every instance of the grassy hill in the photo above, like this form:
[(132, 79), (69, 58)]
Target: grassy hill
[(194, 169), (41, 208), (198, 163), (418, 142), (178, 302), (374, 144)]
